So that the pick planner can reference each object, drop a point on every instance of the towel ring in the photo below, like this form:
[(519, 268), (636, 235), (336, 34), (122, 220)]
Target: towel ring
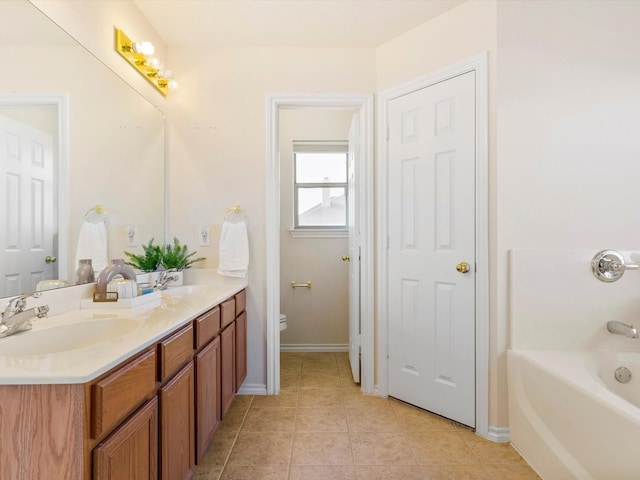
[(96, 214), (235, 210)]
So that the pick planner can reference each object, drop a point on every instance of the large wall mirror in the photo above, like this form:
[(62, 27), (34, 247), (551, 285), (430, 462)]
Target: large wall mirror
[(73, 135)]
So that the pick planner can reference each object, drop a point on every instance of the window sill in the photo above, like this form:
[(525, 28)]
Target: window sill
[(319, 233)]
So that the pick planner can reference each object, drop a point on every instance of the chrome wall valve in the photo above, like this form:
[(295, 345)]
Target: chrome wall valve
[(609, 266)]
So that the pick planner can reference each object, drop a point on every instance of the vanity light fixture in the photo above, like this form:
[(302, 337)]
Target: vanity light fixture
[(138, 54)]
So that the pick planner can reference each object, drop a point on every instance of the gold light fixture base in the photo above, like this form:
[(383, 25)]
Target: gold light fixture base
[(124, 46)]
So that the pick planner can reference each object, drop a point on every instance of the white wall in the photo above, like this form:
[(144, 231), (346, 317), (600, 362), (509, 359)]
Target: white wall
[(216, 146), (319, 315), (568, 146)]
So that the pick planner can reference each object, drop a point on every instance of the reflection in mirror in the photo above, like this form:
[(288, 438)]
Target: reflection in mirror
[(99, 143)]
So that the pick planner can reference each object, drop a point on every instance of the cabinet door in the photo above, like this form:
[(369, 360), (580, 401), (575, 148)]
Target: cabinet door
[(228, 366), (208, 414), (241, 349), (131, 452), (177, 436)]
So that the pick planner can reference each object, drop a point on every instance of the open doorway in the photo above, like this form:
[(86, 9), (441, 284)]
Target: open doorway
[(314, 220), (363, 202)]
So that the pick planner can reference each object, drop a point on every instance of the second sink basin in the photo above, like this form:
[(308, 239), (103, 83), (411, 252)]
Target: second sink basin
[(65, 337)]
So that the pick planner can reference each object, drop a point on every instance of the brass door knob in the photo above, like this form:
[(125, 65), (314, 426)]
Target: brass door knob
[(463, 267), (346, 258), (49, 259)]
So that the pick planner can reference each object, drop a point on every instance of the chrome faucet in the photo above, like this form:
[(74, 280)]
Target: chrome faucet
[(16, 319), (164, 277), (620, 328)]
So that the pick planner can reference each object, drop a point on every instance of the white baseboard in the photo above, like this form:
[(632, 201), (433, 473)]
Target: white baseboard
[(253, 389), (314, 347), (499, 434)]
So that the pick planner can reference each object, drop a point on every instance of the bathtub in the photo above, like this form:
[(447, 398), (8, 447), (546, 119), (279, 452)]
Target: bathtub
[(570, 418)]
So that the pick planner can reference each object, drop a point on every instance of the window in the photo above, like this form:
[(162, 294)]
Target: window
[(320, 185)]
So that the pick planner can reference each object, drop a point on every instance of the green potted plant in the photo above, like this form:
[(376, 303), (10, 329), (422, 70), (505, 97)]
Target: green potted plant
[(177, 257), (149, 261)]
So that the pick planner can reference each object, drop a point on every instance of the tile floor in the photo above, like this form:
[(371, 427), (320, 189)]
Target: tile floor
[(321, 427)]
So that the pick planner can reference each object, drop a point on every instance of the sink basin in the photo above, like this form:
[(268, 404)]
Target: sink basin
[(182, 290), (65, 337)]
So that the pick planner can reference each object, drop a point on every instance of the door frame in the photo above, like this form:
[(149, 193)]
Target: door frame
[(364, 104), (477, 63), (60, 100)]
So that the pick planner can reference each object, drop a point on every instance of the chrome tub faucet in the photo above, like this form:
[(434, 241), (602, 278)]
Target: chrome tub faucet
[(620, 328), (15, 317)]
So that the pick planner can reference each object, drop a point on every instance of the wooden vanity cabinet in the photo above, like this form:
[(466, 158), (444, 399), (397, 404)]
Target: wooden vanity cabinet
[(208, 395), (132, 450), (177, 428), (241, 350), (150, 417), (228, 367)]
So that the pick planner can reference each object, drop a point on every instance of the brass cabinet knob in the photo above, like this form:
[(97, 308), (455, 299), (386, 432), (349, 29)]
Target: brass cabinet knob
[(346, 258), (49, 259), (463, 267)]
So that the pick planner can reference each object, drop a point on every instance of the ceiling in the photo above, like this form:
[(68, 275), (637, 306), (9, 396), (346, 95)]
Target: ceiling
[(287, 23)]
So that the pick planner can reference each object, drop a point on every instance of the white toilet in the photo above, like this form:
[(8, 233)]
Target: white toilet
[(283, 322)]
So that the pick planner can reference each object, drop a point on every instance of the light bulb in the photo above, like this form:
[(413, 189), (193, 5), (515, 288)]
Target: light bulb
[(146, 48), (154, 62), (173, 85)]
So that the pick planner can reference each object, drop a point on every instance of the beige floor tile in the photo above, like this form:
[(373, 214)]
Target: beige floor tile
[(320, 397), (381, 449), (319, 380), (254, 473), (261, 449), (441, 448), (269, 419), (322, 358), (321, 419), (512, 472), (288, 397), (492, 452), (290, 380), (290, 357), (320, 448), (378, 418), (322, 472), (355, 398), (413, 419), (455, 472), (220, 447), (243, 400), (207, 473), (331, 431), (389, 472), (236, 413)]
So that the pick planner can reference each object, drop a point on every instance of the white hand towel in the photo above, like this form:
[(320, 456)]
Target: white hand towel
[(92, 243), (234, 250)]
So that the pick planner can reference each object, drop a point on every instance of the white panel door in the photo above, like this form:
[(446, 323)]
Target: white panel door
[(431, 149), (354, 252), (26, 203)]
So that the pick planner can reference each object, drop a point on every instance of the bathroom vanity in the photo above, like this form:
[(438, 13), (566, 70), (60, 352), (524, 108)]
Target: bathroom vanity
[(142, 404)]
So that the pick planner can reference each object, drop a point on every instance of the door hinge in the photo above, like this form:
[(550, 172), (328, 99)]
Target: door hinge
[(387, 133)]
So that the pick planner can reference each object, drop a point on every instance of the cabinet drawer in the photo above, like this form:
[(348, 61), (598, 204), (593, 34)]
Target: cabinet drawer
[(175, 351), (206, 327), (116, 395), (241, 302), (228, 312)]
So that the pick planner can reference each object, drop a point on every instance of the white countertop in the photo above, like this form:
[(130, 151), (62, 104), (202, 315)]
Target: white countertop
[(49, 353)]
